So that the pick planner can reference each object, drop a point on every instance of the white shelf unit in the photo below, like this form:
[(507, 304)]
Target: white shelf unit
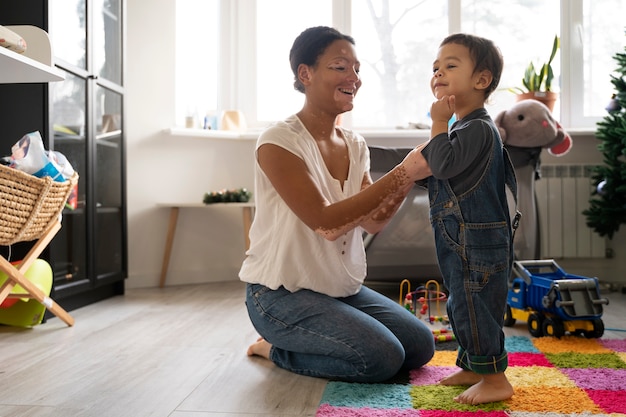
[(33, 66)]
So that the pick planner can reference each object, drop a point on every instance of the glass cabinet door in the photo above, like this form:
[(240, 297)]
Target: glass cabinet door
[(68, 250), (107, 40), (108, 183), (89, 253)]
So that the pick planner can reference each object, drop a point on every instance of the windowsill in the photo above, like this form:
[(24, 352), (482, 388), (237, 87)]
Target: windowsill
[(392, 138), (254, 133), (214, 134), (396, 137), (579, 131)]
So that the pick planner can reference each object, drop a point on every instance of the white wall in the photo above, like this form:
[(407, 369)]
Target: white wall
[(161, 168)]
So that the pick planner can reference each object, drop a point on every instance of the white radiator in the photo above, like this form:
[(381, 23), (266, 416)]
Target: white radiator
[(562, 194)]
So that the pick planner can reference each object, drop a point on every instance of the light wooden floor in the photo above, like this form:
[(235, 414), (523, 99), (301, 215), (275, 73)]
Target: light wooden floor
[(178, 352)]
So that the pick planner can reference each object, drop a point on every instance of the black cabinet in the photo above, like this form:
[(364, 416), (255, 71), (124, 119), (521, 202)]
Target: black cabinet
[(83, 118)]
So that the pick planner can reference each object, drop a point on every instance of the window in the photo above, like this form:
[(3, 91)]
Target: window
[(396, 42), (243, 59), (274, 77), (594, 35), (524, 31), (197, 52)]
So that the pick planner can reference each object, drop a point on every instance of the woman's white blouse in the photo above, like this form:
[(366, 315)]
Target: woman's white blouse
[(283, 250)]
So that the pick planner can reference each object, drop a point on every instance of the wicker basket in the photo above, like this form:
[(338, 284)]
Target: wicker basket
[(29, 204)]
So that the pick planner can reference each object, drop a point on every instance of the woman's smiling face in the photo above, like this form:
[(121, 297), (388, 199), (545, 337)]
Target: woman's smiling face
[(335, 77)]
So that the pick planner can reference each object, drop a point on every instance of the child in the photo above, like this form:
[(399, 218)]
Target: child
[(469, 212)]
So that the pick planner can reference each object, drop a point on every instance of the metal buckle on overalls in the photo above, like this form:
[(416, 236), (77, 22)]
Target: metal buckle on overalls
[(516, 219)]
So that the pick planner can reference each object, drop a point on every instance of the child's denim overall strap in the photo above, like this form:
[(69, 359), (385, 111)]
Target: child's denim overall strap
[(474, 243)]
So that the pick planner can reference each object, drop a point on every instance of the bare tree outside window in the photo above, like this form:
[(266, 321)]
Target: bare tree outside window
[(396, 42), (389, 67)]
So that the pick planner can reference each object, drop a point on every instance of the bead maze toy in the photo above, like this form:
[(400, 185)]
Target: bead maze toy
[(431, 302)]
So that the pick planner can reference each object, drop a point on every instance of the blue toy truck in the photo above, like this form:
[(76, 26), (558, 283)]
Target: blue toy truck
[(553, 302)]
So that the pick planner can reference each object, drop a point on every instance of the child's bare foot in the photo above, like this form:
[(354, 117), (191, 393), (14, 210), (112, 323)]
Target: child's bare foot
[(260, 348), (461, 377), (491, 388)]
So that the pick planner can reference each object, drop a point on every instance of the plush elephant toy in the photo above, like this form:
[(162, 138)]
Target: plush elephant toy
[(526, 129), (530, 124)]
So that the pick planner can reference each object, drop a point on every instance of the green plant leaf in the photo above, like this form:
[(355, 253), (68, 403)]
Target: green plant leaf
[(541, 81)]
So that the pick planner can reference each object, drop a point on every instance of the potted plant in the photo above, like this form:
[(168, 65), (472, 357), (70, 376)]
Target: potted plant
[(538, 85)]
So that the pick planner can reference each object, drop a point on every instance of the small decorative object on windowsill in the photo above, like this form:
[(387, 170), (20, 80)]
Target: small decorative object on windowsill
[(538, 85), (240, 195)]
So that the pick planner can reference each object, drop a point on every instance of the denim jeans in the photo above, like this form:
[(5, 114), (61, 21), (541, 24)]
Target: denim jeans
[(366, 337), (478, 286)]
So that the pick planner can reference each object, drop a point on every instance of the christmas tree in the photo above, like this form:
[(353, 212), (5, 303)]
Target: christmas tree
[(607, 210)]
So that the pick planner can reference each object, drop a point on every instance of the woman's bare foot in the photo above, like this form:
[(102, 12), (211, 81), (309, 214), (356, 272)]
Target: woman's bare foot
[(491, 388), (461, 377), (260, 348)]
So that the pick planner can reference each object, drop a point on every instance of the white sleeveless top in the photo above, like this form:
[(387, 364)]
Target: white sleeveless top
[(283, 250)]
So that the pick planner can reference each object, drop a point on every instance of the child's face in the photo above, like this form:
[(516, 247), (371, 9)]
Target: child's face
[(453, 72)]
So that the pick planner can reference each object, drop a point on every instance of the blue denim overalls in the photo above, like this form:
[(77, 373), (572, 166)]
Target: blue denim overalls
[(474, 242)]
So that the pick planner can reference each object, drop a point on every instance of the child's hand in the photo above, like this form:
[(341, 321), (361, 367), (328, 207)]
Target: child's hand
[(442, 109), (440, 112)]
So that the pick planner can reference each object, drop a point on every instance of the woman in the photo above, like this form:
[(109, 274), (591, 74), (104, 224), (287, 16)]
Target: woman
[(306, 263)]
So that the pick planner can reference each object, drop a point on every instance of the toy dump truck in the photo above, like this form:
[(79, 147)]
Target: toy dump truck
[(553, 302)]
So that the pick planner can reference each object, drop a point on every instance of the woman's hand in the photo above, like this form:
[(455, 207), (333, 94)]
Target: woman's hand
[(415, 164)]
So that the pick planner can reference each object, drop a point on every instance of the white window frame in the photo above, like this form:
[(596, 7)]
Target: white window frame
[(237, 86), (572, 111)]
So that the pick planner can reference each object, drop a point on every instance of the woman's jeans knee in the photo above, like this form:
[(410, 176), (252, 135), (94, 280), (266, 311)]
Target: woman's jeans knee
[(363, 338)]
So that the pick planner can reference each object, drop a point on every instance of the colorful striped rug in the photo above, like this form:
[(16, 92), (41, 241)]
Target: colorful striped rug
[(571, 376)]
